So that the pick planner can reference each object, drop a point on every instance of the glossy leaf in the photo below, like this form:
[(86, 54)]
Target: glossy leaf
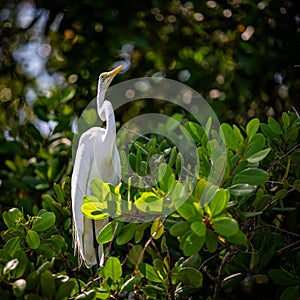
[(225, 226), (47, 284), (113, 269), (252, 176), (150, 273), (257, 157), (252, 127), (12, 216), (191, 277), (274, 125), (219, 202), (283, 278), (242, 189), (110, 230), (44, 221), (199, 228), (32, 239), (191, 243), (157, 229), (180, 228), (126, 234), (229, 136)]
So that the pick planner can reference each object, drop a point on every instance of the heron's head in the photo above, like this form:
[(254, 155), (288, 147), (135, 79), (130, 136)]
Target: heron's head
[(106, 78)]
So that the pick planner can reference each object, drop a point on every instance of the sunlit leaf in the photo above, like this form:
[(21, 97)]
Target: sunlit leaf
[(252, 176), (113, 269), (225, 226), (44, 221)]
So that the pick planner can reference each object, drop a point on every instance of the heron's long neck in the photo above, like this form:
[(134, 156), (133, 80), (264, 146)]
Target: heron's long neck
[(100, 99), (107, 114)]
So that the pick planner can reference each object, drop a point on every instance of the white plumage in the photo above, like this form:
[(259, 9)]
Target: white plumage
[(97, 157)]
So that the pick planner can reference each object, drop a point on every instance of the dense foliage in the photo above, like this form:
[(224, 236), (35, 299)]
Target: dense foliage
[(241, 56)]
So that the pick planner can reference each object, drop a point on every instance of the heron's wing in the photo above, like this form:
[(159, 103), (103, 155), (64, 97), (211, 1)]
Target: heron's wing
[(83, 172)]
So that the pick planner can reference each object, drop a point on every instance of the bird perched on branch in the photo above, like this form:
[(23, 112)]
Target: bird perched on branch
[(97, 157)]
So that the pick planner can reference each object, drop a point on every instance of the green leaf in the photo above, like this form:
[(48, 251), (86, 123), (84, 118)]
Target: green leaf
[(129, 285), (219, 202), (66, 289), (192, 261), (100, 189), (225, 226), (290, 293), (139, 233), (59, 192), (266, 130), (195, 130), (291, 135), (229, 136), (166, 176), (19, 287), (238, 135), (132, 161), (179, 163), (93, 210), (11, 217), (47, 284), (44, 221), (157, 229), (283, 278), (180, 228), (274, 125), (187, 211), (256, 157), (150, 273), (191, 243), (32, 239), (238, 239), (173, 156), (242, 189), (24, 263), (154, 292), (286, 120), (191, 277), (4, 256), (211, 241), (45, 250), (199, 228), (149, 201), (113, 269), (257, 143), (134, 254), (252, 176), (13, 245), (110, 230), (127, 233), (252, 127)]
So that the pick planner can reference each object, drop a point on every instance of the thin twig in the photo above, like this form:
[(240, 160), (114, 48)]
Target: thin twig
[(282, 157), (218, 279), (147, 244), (288, 246), (279, 229)]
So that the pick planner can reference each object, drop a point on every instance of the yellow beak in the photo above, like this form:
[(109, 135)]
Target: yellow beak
[(115, 71)]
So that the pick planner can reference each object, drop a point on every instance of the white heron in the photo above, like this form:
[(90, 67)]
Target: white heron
[(97, 157)]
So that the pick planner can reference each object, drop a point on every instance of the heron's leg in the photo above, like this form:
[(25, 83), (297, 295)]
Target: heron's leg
[(95, 244)]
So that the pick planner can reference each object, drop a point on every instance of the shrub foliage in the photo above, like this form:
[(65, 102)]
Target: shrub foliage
[(244, 240)]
